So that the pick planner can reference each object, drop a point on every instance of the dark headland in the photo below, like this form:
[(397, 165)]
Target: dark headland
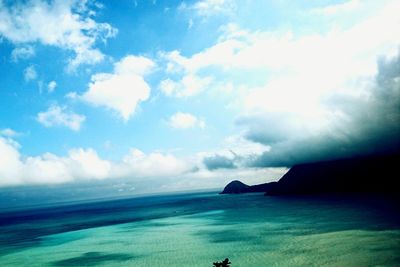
[(369, 174), (237, 187)]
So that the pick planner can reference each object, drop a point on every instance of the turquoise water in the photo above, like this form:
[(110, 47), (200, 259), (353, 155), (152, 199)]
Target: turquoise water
[(198, 229)]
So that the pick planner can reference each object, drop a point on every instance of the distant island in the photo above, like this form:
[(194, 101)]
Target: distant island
[(375, 174), (237, 187)]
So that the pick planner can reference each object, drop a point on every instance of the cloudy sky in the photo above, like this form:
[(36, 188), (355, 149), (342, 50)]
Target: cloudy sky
[(192, 94)]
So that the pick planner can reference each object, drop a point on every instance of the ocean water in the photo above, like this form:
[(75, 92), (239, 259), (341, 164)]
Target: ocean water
[(199, 229)]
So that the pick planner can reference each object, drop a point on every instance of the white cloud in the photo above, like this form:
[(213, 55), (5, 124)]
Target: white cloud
[(79, 164), (189, 85), (337, 8), (48, 168), (10, 164), (51, 86), (138, 164), (277, 51), (82, 164), (60, 116), (222, 54), (206, 8), (30, 73), (182, 120), (88, 164), (7, 132), (123, 89), (137, 65), (65, 24), (72, 95), (302, 66), (168, 87), (161, 170), (23, 52)]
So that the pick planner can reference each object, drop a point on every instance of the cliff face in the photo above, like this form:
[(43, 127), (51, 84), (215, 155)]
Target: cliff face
[(237, 187), (363, 174)]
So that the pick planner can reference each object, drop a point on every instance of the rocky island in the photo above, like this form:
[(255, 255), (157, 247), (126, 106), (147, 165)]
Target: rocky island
[(237, 187)]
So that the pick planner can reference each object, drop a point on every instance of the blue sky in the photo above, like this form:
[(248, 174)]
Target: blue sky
[(204, 91)]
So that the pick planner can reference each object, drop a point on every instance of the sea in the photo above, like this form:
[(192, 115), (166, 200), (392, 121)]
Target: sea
[(198, 229)]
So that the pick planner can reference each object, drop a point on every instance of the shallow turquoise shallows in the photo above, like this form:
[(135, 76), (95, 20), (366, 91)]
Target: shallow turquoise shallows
[(199, 229)]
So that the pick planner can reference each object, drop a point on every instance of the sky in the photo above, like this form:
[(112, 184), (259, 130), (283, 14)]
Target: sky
[(177, 95)]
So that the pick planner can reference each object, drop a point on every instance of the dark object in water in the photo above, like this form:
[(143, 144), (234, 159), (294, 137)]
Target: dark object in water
[(224, 263)]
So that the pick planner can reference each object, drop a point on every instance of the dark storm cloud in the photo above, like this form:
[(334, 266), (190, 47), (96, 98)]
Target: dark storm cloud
[(366, 125), (269, 128), (218, 162)]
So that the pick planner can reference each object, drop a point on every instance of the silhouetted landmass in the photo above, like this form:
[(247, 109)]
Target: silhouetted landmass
[(237, 187), (372, 174)]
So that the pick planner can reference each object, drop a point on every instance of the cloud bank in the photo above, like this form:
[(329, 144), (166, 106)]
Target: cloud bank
[(83, 164), (354, 125), (322, 96), (156, 171)]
